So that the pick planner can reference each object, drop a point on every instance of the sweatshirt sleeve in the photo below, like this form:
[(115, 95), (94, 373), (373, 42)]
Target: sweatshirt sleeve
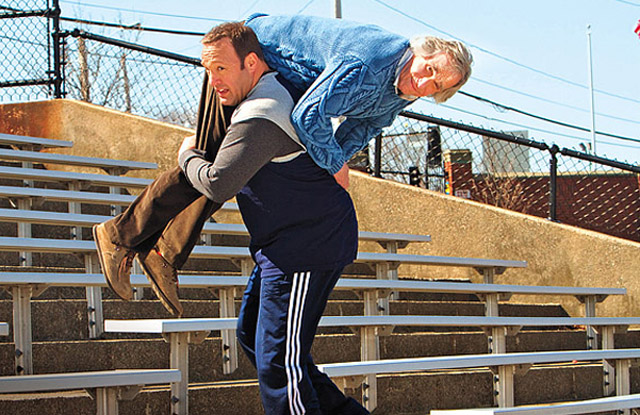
[(339, 90), (246, 148)]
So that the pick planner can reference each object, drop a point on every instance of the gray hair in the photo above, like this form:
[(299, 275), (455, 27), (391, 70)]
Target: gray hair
[(460, 56)]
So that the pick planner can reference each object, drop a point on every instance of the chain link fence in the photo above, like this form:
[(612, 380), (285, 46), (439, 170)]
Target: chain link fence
[(504, 170), (135, 81), (600, 198), (25, 51), (512, 172)]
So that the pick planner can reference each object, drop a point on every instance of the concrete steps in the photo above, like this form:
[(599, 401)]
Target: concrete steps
[(212, 392)]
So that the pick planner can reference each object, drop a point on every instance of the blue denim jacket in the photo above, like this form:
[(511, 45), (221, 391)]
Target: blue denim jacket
[(347, 69)]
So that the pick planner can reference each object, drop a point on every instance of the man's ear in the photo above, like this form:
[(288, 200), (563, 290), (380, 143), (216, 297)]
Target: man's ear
[(251, 61)]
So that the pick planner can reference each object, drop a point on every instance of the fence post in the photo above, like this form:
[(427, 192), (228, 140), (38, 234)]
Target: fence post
[(378, 156), (426, 172), (553, 185), (57, 59), (434, 152)]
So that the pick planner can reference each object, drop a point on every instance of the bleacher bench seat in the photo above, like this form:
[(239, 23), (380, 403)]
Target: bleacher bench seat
[(60, 176), (75, 219), (109, 165), (616, 364), (55, 279), (78, 196), (589, 406), (107, 384), (32, 142), (389, 366), (232, 252)]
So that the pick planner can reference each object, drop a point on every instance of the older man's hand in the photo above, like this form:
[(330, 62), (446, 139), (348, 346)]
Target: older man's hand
[(342, 176), (187, 144)]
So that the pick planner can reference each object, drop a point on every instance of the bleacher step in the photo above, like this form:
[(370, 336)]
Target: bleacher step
[(71, 323), (407, 394), (151, 351)]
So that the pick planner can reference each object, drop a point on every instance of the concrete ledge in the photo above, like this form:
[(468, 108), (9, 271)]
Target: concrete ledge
[(96, 131)]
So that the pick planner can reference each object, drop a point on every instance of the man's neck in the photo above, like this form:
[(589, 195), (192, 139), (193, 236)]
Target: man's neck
[(261, 69)]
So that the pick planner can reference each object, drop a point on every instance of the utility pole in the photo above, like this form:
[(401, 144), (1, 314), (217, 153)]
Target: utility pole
[(593, 110), (337, 9)]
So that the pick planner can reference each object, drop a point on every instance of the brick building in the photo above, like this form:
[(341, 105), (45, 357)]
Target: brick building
[(603, 201)]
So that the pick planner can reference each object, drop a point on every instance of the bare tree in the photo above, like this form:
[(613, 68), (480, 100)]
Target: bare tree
[(83, 71), (98, 73), (126, 87), (503, 192)]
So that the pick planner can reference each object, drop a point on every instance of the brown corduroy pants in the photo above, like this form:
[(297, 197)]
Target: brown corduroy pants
[(169, 214)]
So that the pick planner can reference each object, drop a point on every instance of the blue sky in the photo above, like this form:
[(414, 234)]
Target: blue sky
[(528, 55)]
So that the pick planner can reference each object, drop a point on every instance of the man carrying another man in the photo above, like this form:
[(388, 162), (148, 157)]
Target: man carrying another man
[(301, 220), (302, 223), (355, 73)]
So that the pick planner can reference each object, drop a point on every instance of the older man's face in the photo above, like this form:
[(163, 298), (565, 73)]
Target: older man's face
[(423, 77), (231, 82)]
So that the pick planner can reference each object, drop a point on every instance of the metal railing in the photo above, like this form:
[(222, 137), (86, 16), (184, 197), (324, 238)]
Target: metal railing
[(508, 170), (27, 61), (131, 78), (511, 171)]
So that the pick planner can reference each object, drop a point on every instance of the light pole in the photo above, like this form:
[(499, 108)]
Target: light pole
[(337, 9), (593, 111)]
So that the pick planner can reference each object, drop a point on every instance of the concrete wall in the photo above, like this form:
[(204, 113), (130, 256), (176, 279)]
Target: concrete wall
[(96, 131), (557, 254)]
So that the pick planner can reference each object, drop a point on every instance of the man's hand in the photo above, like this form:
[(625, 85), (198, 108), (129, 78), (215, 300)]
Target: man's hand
[(342, 176), (187, 144)]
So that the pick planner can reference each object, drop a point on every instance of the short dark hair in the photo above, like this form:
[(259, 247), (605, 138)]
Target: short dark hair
[(243, 39)]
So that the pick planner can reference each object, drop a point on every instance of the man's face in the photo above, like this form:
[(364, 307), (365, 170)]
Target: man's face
[(223, 67), (423, 77)]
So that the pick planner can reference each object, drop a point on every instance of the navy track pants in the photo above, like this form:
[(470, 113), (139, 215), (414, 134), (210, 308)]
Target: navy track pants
[(276, 326)]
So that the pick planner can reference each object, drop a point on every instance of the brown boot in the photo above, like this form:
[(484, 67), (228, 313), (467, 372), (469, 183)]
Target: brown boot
[(115, 261), (164, 280)]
